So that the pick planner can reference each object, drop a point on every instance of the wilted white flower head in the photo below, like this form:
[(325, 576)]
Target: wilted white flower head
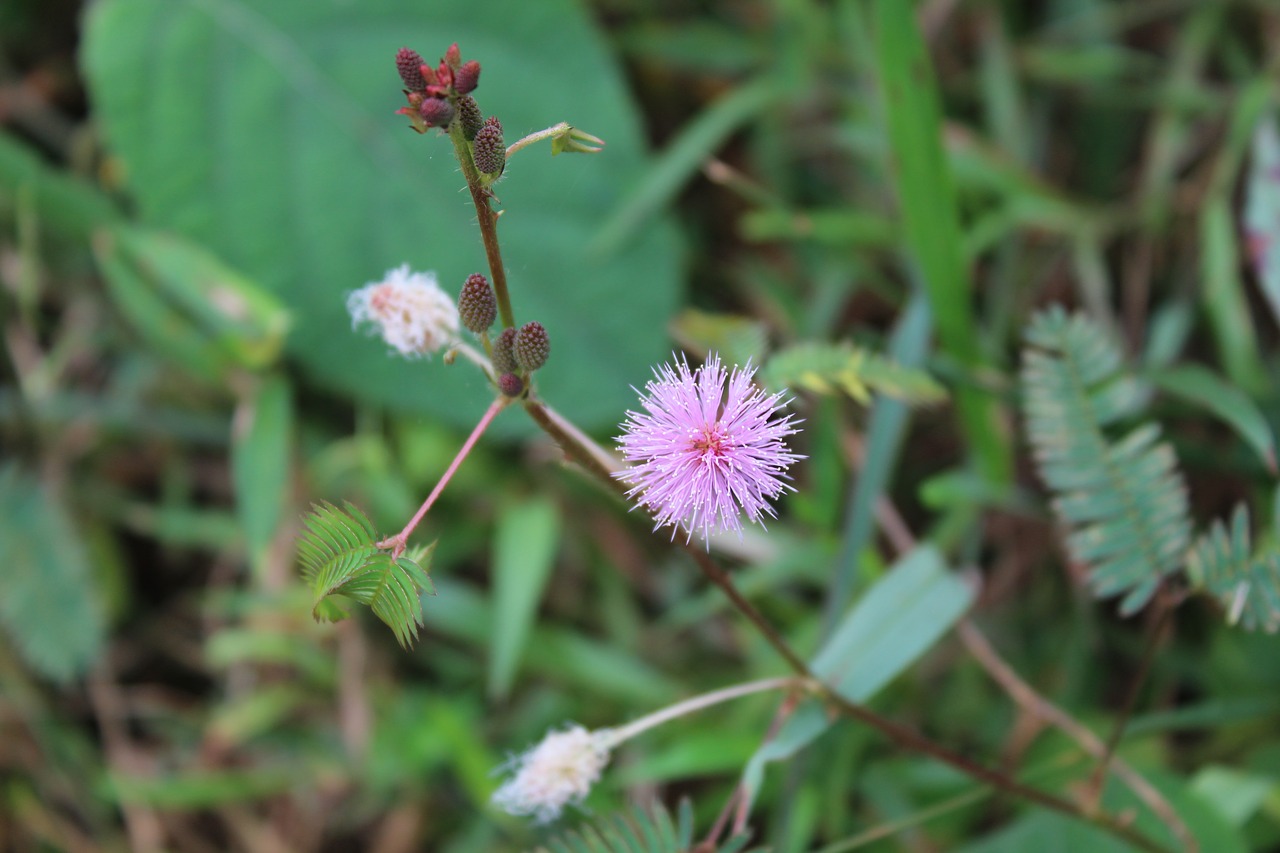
[(408, 309), (558, 771)]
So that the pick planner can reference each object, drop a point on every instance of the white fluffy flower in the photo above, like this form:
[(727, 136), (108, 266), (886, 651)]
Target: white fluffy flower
[(409, 310), (558, 771)]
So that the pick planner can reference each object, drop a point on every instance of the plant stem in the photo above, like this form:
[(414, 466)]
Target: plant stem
[(488, 220), (697, 703), (1155, 631), (537, 136), (578, 447), (1024, 695), (398, 542)]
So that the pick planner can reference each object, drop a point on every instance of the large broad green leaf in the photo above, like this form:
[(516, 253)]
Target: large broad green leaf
[(266, 130)]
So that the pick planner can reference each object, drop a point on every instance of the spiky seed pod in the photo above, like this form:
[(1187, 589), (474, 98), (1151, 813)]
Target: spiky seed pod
[(510, 384), (531, 347), (409, 64), (488, 149), (476, 304), (470, 116), (436, 112), (467, 77), (504, 359)]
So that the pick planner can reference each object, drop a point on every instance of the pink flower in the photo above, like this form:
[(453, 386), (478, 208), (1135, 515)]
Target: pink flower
[(704, 452)]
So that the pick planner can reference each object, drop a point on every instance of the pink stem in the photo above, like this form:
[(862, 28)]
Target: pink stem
[(398, 542)]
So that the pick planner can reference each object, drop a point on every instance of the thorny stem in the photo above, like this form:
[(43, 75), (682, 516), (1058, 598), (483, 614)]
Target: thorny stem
[(571, 441), (398, 542), (487, 217)]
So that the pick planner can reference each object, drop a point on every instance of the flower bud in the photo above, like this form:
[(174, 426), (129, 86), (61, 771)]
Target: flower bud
[(467, 77), (409, 64), (531, 347), (510, 384), (470, 116), (489, 152), (453, 56), (436, 112), (476, 304), (504, 360)]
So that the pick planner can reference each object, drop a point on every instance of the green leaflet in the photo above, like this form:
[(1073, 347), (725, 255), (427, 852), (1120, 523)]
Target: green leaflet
[(1124, 501), (643, 829), (339, 558), (1222, 562), (829, 368)]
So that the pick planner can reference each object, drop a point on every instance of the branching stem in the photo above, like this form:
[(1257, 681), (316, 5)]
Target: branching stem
[(578, 447)]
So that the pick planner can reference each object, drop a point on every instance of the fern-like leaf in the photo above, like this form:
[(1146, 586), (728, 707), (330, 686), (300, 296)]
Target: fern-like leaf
[(340, 557), (831, 368), (1248, 585), (49, 602), (1124, 502), (643, 829)]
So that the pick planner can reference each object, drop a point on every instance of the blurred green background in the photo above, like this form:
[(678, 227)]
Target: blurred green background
[(189, 188)]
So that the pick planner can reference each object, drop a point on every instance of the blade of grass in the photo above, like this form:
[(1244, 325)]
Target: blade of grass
[(681, 160), (885, 432), (930, 217)]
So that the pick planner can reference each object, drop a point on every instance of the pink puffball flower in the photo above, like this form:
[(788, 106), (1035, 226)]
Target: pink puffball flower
[(409, 310), (707, 449)]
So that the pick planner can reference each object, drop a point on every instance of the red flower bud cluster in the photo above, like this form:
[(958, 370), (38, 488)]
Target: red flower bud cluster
[(432, 92)]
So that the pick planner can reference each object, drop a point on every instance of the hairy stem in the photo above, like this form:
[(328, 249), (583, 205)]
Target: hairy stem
[(398, 542), (487, 217), (697, 703), (538, 136)]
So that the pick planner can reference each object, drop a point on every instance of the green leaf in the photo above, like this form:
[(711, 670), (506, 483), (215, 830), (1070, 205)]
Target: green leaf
[(642, 829), (738, 339), (891, 626), (1203, 387), (1236, 795), (64, 203), (1248, 585), (828, 368), (524, 552), (340, 558), (1124, 502), (930, 215), (261, 451), (682, 159), (48, 599), (188, 304), (265, 130), (1262, 209)]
